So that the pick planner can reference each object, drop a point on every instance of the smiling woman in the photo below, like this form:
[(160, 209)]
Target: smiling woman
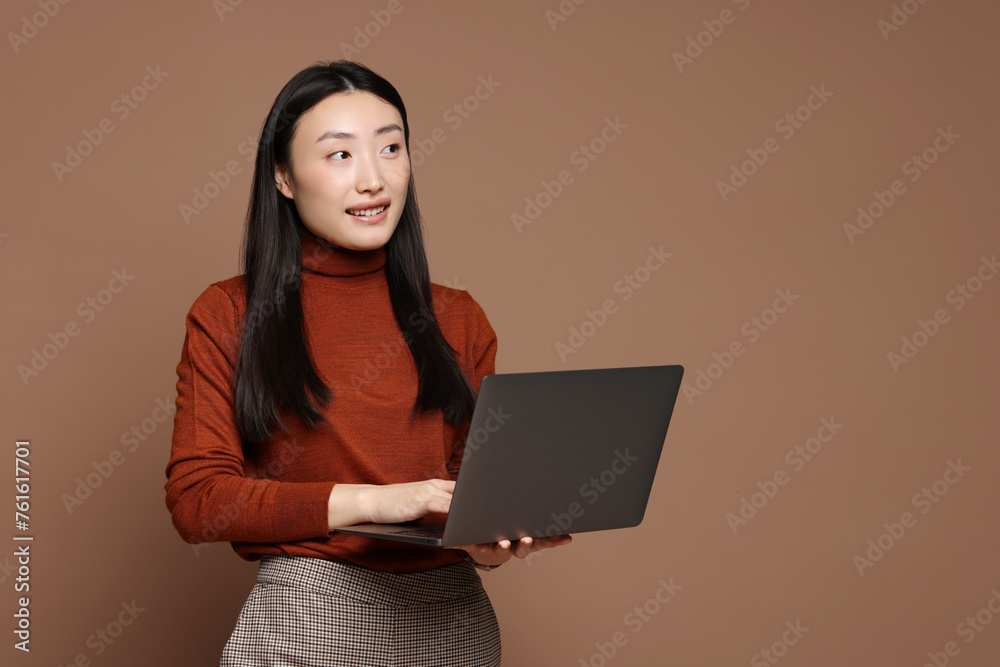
[(349, 184), (274, 446)]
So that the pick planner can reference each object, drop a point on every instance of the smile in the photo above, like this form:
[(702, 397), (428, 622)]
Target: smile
[(368, 211)]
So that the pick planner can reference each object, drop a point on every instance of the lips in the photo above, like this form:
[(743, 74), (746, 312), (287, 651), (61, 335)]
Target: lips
[(367, 212), (369, 209)]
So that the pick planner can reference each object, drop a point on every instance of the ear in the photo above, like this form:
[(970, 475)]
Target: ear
[(281, 181)]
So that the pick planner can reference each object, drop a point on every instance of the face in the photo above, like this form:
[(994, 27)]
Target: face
[(349, 170)]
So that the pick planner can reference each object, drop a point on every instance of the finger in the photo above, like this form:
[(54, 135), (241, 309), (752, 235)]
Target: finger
[(436, 502), (444, 484), (559, 540), (517, 549), (529, 546), (436, 491), (442, 505)]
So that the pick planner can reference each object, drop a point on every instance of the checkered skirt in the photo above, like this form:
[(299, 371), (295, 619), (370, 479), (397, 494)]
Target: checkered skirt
[(308, 612)]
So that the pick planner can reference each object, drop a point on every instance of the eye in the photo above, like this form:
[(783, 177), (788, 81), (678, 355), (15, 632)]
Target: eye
[(338, 153), (392, 148)]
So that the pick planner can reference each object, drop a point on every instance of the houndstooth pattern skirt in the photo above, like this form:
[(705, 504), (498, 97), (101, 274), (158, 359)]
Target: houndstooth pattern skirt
[(309, 612)]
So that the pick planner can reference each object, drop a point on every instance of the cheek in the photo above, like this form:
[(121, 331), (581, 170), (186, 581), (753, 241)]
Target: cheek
[(323, 184), (401, 177)]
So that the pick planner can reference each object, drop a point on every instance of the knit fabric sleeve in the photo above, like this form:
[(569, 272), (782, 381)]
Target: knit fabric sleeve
[(209, 496), (484, 357)]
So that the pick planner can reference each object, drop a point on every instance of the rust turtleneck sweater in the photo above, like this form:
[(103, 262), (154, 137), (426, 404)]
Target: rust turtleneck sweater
[(272, 498)]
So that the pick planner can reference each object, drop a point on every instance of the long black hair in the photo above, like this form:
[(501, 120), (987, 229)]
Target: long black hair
[(274, 370)]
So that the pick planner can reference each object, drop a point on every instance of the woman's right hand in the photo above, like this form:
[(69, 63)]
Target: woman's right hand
[(390, 503)]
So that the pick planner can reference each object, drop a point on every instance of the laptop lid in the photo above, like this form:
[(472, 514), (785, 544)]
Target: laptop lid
[(555, 452)]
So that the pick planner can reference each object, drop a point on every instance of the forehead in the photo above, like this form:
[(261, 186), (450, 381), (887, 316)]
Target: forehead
[(360, 113)]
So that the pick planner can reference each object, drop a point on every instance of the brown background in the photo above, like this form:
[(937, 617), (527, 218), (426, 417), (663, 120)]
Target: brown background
[(656, 184)]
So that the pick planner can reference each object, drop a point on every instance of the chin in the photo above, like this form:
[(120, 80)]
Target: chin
[(366, 243), (368, 239), (362, 247)]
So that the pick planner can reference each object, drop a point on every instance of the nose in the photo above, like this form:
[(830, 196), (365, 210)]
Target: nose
[(369, 175)]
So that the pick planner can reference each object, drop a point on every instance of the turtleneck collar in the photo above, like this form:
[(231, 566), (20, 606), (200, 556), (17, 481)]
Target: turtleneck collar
[(322, 257)]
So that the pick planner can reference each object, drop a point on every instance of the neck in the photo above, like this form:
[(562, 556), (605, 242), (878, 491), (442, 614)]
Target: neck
[(325, 258)]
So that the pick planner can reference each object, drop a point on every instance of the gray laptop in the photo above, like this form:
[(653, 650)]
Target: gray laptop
[(553, 453)]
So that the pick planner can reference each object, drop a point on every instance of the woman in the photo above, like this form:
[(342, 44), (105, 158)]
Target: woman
[(332, 384)]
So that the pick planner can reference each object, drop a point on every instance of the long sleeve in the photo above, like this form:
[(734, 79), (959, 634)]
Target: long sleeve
[(273, 497), (209, 493), (486, 348)]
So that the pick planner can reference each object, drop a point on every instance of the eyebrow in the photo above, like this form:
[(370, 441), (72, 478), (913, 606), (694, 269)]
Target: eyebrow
[(337, 134)]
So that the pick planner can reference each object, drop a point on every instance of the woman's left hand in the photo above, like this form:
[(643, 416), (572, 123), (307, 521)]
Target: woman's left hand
[(497, 553)]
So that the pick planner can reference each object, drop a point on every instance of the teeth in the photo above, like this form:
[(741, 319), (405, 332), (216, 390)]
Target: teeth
[(368, 211)]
